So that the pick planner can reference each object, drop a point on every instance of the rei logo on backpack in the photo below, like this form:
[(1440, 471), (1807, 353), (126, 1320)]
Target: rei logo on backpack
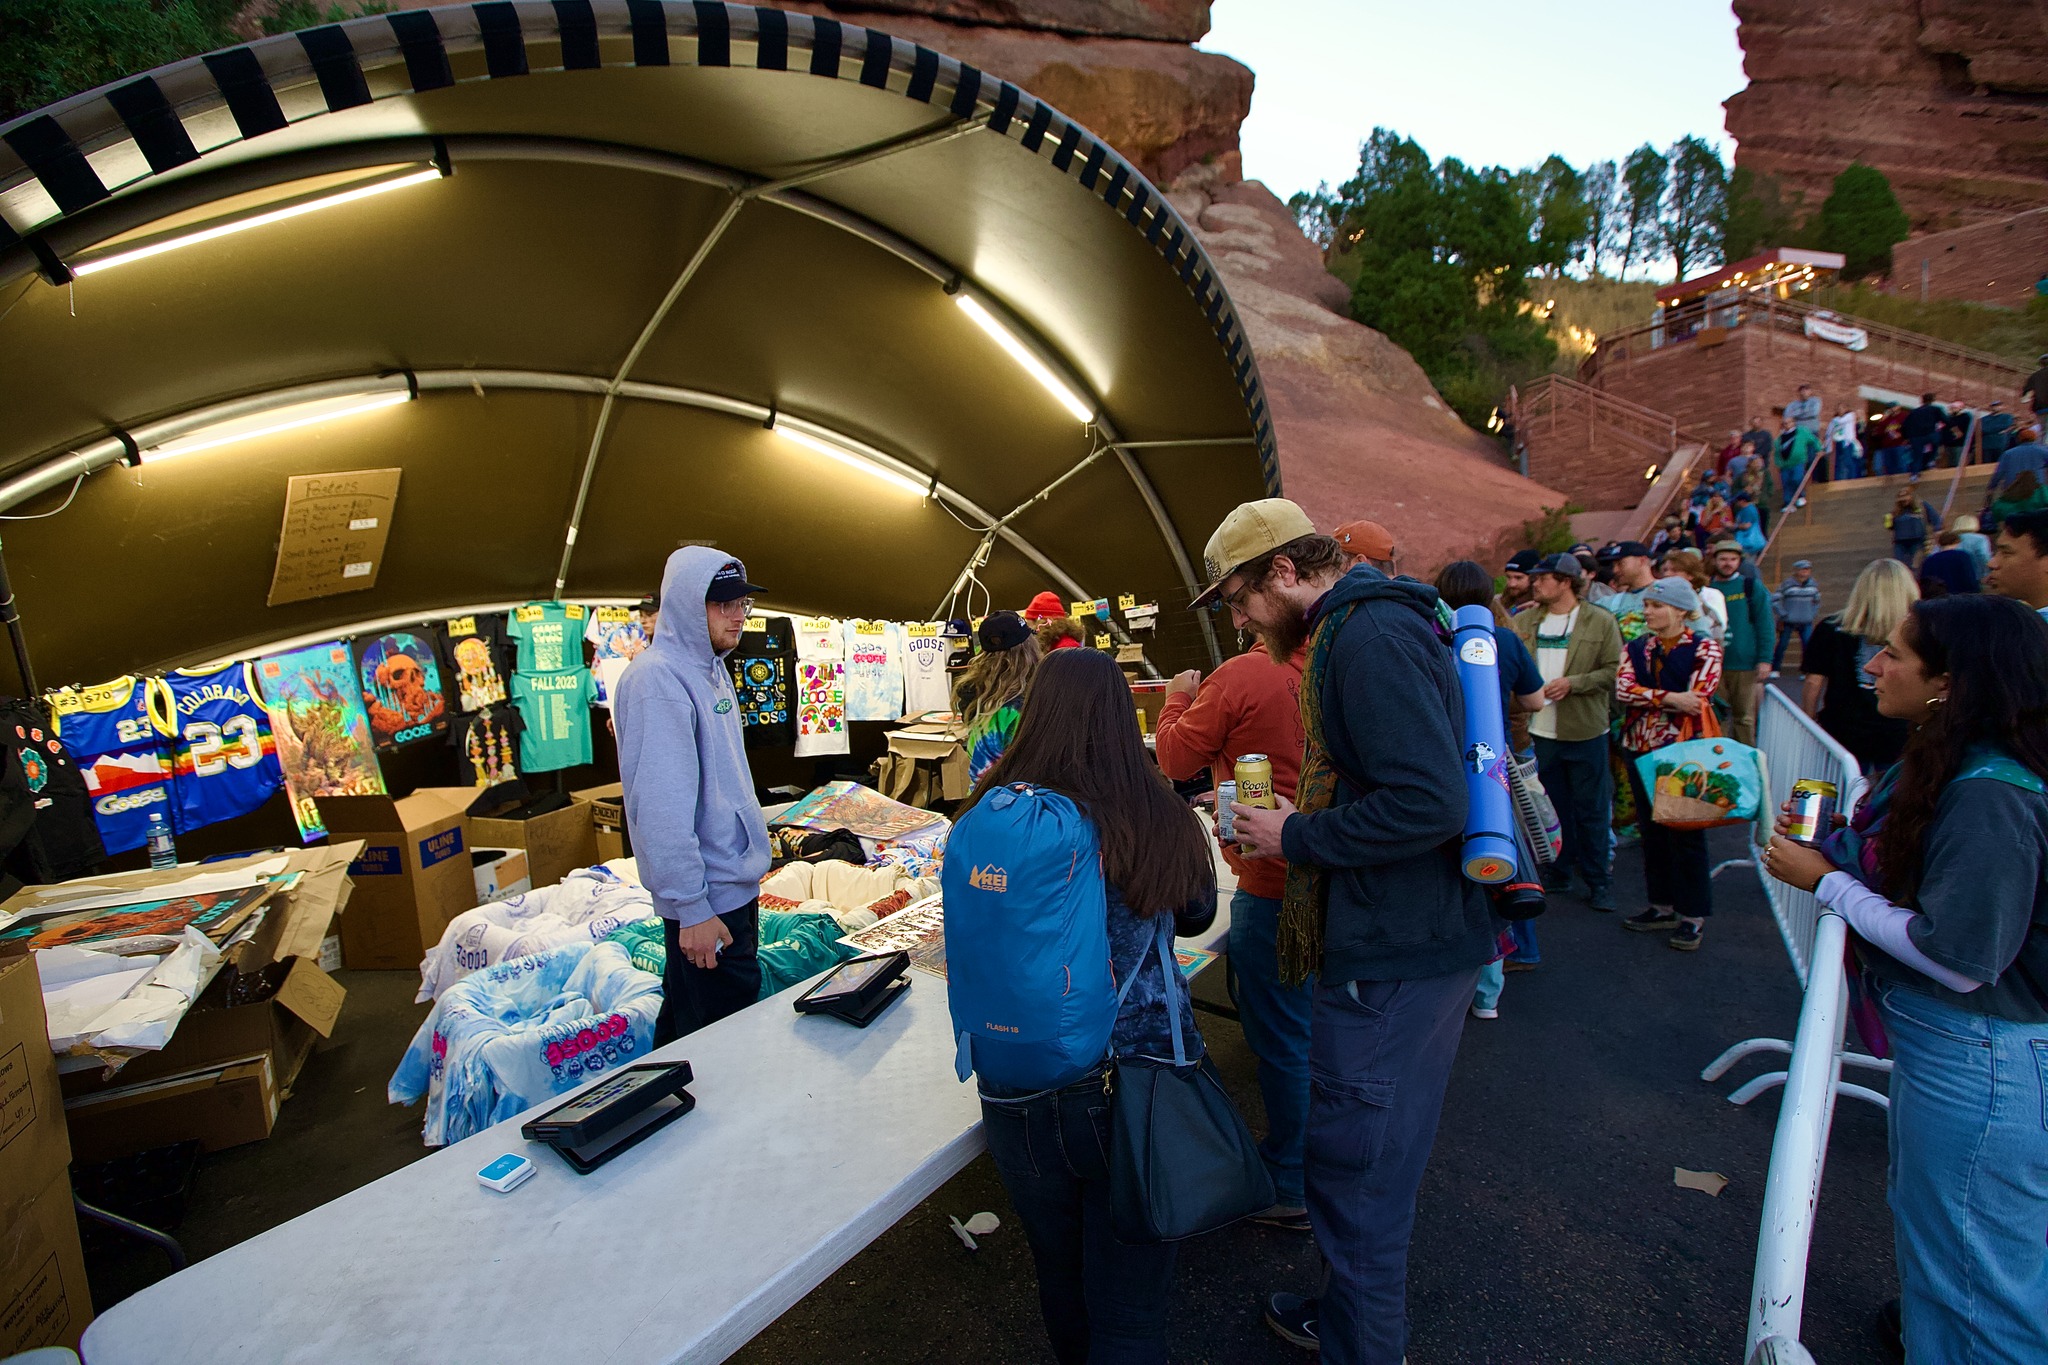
[(1028, 974)]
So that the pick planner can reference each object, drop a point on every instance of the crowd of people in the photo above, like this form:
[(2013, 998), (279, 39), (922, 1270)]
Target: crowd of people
[(1358, 945)]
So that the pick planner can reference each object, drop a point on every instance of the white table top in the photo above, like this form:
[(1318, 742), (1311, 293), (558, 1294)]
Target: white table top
[(810, 1139)]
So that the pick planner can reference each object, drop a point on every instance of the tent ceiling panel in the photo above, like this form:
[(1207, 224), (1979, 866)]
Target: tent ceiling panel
[(567, 219)]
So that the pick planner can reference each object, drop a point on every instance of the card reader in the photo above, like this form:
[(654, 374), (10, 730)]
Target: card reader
[(859, 989), (598, 1123)]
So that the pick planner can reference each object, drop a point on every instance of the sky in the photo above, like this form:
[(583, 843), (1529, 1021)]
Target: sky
[(1492, 82)]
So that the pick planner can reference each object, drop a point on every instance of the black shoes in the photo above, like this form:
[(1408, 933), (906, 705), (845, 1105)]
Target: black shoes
[(1293, 1320)]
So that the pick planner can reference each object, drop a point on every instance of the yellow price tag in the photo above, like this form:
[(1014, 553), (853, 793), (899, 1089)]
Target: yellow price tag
[(921, 630), (575, 610), (820, 623), (526, 614), (462, 625), (757, 623), (1125, 601), (871, 628), (614, 616), (1081, 609)]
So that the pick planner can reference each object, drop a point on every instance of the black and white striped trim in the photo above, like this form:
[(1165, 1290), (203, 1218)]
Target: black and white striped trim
[(74, 154)]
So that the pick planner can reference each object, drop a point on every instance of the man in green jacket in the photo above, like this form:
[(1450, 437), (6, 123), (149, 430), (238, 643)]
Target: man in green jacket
[(1578, 651), (1746, 652)]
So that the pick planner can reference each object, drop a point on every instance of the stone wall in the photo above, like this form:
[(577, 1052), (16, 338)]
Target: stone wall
[(1949, 98), (1994, 262)]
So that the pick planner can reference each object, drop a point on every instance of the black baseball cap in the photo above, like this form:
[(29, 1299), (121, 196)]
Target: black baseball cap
[(651, 604), (1002, 631), (730, 583), (1524, 561), (1623, 549)]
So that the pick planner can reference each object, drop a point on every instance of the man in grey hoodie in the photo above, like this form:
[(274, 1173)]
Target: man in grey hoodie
[(697, 827)]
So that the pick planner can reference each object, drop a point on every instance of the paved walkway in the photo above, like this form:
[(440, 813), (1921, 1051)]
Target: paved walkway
[(1549, 1228)]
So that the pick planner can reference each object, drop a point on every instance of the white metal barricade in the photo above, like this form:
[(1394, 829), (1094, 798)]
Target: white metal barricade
[(1794, 747)]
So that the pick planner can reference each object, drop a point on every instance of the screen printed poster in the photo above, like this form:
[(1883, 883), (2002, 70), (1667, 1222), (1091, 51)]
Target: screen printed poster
[(323, 734), (402, 686)]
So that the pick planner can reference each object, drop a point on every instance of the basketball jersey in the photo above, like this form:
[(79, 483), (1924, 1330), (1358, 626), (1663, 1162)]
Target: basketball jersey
[(224, 757), (119, 733)]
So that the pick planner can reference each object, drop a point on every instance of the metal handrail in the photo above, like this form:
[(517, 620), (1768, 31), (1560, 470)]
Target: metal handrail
[(1547, 394), (1785, 512), (1770, 311), (1973, 443)]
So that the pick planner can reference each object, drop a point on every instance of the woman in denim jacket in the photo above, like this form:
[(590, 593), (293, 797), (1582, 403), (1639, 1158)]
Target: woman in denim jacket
[(1104, 1301), (1943, 875)]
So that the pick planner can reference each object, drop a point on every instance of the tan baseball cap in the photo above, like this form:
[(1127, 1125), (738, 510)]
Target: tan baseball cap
[(1251, 530)]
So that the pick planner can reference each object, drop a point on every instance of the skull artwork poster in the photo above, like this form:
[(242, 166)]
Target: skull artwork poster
[(402, 686)]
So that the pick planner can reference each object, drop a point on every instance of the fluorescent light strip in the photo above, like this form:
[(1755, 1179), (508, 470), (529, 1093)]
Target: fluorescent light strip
[(1020, 353), (852, 458), (269, 423), (277, 215)]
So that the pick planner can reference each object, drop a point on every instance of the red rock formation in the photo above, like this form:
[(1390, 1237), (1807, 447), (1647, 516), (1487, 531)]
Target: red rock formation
[(1946, 97), (1172, 21), (1362, 433)]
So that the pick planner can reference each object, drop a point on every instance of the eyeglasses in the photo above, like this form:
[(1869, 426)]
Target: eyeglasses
[(1232, 601), (739, 606)]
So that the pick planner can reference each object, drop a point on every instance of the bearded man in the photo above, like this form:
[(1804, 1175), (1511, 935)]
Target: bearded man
[(1376, 904)]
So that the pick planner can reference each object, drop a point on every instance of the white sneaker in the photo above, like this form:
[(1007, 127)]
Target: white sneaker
[(1478, 1013), (1800, 503)]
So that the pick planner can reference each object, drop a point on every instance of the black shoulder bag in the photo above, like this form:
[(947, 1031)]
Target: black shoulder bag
[(1181, 1160)]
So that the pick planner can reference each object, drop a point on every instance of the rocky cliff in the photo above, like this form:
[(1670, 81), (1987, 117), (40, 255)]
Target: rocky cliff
[(1949, 98)]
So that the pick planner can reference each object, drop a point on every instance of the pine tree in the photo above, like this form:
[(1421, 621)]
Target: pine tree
[(1862, 219)]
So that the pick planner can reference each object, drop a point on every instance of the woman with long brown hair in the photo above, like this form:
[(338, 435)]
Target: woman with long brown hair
[(992, 690), (1103, 1300), (1943, 876)]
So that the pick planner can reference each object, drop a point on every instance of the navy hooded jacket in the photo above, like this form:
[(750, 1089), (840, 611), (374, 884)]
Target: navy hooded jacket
[(1400, 907)]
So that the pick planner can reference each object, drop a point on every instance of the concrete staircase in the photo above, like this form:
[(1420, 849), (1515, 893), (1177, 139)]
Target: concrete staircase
[(1842, 528)]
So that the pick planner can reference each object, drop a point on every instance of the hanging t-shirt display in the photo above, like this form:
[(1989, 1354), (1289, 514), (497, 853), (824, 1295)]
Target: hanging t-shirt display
[(481, 657), (323, 736), (925, 684), (487, 745), (403, 686), (763, 667), (874, 670), (46, 823), (119, 733), (556, 709), (616, 637), (224, 757), (820, 688), (549, 635)]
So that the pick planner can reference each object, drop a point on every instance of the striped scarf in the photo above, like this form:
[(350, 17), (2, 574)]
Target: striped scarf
[(1305, 903)]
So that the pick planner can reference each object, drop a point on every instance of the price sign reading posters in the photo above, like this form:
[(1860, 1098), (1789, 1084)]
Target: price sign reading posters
[(335, 526)]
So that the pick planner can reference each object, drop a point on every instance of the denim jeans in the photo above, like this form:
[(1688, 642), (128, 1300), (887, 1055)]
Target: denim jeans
[(1524, 933), (1675, 867), (1379, 1064), (1893, 460), (1969, 1181), (1493, 982), (1848, 460), (1921, 454), (1789, 478), (1787, 631), (692, 997), (1276, 1028), (1906, 551), (1104, 1302), (1581, 787)]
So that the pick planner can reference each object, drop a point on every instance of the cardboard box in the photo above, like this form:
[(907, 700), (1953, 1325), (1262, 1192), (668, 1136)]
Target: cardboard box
[(499, 873), (33, 1145), (44, 1300), (608, 819), (221, 1106), (556, 844), (411, 877), (938, 748)]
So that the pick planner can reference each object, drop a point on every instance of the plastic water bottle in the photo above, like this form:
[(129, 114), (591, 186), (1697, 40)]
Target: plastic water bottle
[(163, 850)]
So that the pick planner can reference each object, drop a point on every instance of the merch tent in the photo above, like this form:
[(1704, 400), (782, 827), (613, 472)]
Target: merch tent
[(600, 278)]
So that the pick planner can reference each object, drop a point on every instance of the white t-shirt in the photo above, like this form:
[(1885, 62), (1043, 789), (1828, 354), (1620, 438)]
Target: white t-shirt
[(820, 688), (874, 670), (925, 684), (616, 637), (1553, 646)]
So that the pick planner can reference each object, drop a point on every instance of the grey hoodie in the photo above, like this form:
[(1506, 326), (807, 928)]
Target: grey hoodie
[(697, 829)]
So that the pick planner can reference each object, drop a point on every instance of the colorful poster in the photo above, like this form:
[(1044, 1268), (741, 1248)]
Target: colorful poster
[(862, 810), (213, 913), (402, 687), (323, 734)]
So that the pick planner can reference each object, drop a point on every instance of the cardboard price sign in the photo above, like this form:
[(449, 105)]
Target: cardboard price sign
[(335, 526)]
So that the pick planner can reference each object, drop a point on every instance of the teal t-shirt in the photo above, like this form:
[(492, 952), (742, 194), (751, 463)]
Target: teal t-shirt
[(549, 635), (556, 710)]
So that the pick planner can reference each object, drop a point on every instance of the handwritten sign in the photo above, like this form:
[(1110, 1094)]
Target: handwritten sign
[(335, 526)]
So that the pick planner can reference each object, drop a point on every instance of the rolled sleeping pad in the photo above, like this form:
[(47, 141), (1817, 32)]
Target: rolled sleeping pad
[(1490, 855)]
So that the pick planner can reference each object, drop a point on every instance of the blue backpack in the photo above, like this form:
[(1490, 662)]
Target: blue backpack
[(1028, 972)]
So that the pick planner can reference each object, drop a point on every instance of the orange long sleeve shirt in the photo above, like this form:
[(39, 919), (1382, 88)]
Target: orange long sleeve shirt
[(1249, 705)]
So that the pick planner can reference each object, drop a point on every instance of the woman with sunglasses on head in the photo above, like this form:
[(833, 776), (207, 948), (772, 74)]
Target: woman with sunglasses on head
[(1943, 876), (1104, 1300)]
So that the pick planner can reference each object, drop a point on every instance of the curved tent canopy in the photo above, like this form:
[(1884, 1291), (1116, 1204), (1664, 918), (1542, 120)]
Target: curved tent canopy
[(599, 279)]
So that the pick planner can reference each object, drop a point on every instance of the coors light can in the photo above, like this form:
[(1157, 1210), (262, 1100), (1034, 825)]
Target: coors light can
[(1255, 781)]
